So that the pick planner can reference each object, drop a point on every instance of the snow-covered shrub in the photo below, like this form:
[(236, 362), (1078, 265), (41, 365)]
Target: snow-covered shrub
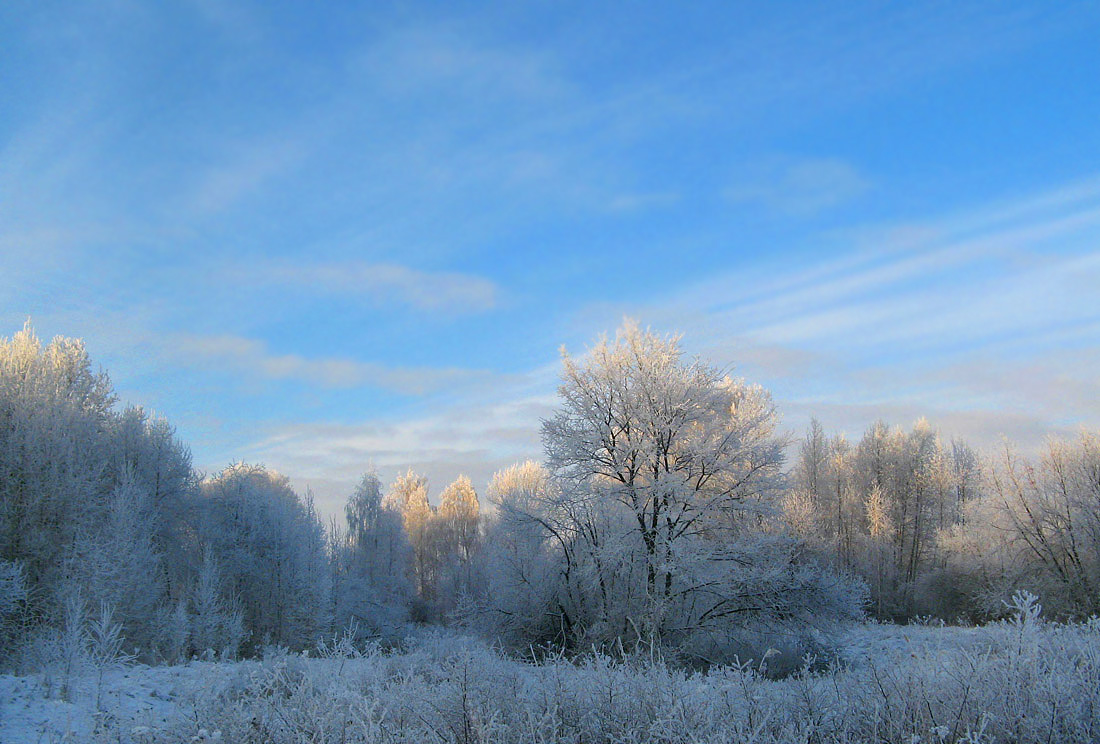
[(105, 646), (787, 606), (216, 625), (175, 637), (62, 654), (13, 598), (1022, 681)]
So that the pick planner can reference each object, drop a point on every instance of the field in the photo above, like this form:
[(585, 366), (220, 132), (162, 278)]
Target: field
[(1017, 681)]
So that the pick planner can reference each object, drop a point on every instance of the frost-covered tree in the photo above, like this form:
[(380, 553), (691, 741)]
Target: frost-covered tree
[(663, 470), (270, 548), (408, 496), (523, 562), (372, 560), (148, 454), (1037, 527), (91, 499), (821, 505), (55, 419), (878, 509), (455, 537), (118, 565), (459, 511), (214, 625)]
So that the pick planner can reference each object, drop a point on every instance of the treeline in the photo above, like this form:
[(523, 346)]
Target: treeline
[(102, 512), (938, 530), (662, 516)]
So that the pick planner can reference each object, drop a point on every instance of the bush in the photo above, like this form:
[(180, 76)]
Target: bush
[(1022, 680)]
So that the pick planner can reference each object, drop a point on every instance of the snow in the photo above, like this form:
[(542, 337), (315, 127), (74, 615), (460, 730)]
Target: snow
[(1020, 681), (134, 699)]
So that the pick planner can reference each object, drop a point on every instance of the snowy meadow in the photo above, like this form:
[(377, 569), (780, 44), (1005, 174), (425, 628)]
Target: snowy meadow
[(1020, 680), (677, 569)]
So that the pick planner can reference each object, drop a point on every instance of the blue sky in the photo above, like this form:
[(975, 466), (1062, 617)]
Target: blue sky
[(320, 235)]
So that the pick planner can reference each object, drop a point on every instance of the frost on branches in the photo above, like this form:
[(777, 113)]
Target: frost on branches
[(654, 522)]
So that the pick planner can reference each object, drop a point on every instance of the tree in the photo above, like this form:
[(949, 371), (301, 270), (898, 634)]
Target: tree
[(147, 453), (269, 546), (408, 496), (372, 561), (55, 419), (1039, 527), (522, 564), (459, 511), (813, 461), (880, 528), (664, 470), (456, 540), (118, 564), (215, 624), (881, 508), (91, 498)]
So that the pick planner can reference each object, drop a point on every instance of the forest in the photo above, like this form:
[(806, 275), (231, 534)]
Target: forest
[(672, 538)]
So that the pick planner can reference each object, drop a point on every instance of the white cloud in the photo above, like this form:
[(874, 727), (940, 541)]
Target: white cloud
[(801, 188), (475, 439), (382, 282), (222, 185), (253, 357), (1027, 266), (643, 201), (986, 322)]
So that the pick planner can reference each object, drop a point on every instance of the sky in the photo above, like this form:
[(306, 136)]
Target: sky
[(321, 236)]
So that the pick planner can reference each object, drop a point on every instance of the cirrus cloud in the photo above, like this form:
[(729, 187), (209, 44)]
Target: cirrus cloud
[(802, 188), (453, 292), (254, 357)]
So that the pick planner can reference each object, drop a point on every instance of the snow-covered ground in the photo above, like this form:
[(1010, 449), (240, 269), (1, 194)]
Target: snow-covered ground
[(1023, 682), (130, 700)]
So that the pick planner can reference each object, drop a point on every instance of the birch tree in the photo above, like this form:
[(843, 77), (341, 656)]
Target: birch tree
[(408, 496), (372, 562)]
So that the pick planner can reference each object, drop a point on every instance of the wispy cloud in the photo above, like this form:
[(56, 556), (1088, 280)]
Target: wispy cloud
[(642, 201), (146, 198), (475, 438), (248, 356), (988, 318), (449, 59), (1025, 266), (249, 169), (383, 283), (801, 188)]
